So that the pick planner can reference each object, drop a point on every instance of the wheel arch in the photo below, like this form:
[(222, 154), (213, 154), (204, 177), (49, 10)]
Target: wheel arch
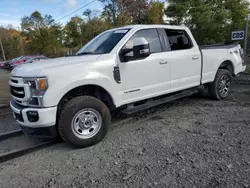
[(90, 90), (227, 64)]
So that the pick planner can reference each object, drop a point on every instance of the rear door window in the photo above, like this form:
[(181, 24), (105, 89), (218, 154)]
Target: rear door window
[(178, 39)]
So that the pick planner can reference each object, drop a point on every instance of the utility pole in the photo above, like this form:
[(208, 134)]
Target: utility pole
[(2, 49), (21, 42), (246, 37)]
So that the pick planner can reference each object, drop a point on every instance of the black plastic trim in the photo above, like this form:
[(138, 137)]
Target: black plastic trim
[(219, 46), (202, 62), (116, 74), (163, 39), (162, 99)]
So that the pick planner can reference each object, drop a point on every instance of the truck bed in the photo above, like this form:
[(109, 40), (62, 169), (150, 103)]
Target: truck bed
[(219, 46)]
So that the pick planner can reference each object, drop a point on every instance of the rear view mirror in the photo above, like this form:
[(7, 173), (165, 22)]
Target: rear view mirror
[(135, 49), (141, 48)]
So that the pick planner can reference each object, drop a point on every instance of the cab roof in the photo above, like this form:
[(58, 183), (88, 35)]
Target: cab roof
[(141, 26)]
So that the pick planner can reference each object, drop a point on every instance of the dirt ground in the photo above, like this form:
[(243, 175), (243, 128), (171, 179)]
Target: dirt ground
[(193, 142)]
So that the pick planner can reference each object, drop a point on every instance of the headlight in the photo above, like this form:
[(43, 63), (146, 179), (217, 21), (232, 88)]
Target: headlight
[(241, 53), (38, 86)]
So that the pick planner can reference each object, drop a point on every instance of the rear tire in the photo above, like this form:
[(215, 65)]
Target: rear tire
[(84, 121), (221, 86)]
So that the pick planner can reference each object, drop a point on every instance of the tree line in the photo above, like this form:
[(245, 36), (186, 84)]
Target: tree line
[(211, 21)]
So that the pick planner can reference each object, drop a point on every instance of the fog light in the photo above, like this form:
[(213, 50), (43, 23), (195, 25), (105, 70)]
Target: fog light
[(32, 116)]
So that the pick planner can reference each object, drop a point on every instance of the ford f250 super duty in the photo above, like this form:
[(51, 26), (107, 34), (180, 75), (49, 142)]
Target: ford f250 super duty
[(129, 68)]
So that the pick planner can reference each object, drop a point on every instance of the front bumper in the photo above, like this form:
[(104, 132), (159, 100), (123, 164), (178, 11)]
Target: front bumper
[(46, 118)]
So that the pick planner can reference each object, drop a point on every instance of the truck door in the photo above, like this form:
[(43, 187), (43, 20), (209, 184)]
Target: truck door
[(184, 58), (145, 77)]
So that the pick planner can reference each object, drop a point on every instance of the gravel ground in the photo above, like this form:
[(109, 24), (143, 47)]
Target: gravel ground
[(193, 142), (6, 120), (18, 142), (4, 87)]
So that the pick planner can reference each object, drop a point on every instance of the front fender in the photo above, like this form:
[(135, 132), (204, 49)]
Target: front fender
[(59, 88)]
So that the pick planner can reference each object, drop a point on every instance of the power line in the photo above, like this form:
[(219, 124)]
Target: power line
[(61, 2), (76, 10), (41, 7), (75, 6)]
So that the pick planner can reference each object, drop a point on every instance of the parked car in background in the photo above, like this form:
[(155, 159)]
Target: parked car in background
[(37, 58), (5, 64), (19, 61), (2, 64), (8, 63)]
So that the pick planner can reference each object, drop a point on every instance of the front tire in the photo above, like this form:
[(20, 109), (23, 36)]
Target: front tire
[(221, 86), (84, 121)]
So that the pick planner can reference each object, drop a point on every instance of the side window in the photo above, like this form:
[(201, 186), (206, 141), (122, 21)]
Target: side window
[(178, 39), (151, 35)]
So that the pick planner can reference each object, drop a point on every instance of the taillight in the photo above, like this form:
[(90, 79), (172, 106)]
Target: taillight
[(241, 51)]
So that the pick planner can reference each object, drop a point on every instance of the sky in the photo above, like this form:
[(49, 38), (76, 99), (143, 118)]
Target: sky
[(11, 11)]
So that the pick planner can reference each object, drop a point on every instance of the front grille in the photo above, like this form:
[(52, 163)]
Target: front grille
[(14, 81), (34, 101), (17, 91), (18, 101)]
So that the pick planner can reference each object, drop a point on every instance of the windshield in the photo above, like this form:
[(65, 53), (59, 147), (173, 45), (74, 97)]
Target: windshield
[(28, 60), (103, 43)]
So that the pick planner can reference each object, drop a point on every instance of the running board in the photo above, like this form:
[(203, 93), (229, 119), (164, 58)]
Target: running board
[(152, 103)]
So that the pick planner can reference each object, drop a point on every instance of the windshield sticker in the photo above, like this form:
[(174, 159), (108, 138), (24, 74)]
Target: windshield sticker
[(121, 31)]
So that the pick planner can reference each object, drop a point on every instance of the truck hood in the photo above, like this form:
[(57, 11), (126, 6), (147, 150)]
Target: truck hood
[(33, 69)]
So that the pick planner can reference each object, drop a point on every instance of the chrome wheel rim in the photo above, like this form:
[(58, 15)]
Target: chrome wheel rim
[(86, 123), (224, 85)]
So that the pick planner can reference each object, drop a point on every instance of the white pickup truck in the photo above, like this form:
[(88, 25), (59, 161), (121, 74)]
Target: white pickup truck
[(129, 68)]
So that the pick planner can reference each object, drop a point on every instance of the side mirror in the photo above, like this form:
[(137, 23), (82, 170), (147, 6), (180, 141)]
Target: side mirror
[(137, 48), (141, 48)]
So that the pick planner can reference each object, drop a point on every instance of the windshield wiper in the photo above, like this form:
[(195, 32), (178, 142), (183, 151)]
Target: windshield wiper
[(84, 53)]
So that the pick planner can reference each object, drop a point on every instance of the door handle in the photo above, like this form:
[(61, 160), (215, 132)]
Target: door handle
[(163, 62), (195, 57)]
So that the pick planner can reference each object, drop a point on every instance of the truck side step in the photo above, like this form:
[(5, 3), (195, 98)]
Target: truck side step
[(132, 108)]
